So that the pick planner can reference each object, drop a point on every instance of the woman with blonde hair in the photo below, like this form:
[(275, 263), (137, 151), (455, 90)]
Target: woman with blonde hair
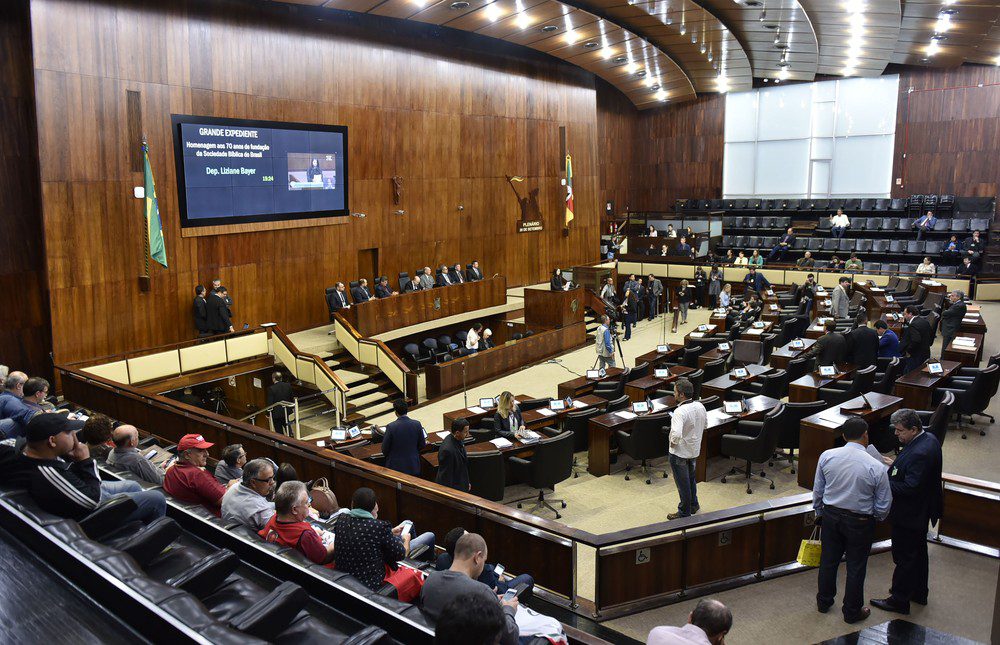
[(683, 300), (507, 421)]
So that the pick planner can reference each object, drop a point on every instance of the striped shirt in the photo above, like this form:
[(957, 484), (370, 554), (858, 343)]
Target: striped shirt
[(66, 489)]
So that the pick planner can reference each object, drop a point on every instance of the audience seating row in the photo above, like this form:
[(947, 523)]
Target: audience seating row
[(859, 224), (940, 204)]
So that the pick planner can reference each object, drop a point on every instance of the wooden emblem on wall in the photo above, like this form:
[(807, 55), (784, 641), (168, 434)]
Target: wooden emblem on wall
[(397, 189), (531, 214)]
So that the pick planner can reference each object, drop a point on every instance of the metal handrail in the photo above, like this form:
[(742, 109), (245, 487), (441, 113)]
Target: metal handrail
[(252, 417)]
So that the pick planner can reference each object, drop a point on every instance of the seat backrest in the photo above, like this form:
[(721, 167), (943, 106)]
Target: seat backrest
[(697, 378), (648, 436), (534, 404), (892, 372), (775, 384), (797, 368), (770, 433), (863, 380), (487, 474), (578, 422), (938, 423), (714, 369), (794, 413), (620, 403), (639, 371), (404, 277), (553, 461), (748, 351)]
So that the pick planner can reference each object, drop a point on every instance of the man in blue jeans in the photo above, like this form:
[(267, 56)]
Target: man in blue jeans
[(687, 424)]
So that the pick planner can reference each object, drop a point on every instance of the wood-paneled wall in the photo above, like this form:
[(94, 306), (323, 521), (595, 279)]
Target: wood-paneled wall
[(25, 336), (653, 157), (451, 114), (950, 134)]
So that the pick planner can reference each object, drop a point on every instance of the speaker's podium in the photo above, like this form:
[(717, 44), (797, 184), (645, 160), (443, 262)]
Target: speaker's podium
[(544, 308)]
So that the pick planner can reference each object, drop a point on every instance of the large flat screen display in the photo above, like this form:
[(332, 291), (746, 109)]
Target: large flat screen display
[(234, 171)]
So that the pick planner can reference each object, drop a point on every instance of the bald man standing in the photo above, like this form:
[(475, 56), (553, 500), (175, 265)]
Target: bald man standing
[(126, 455)]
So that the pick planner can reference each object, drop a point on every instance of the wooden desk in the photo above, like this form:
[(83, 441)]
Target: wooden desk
[(654, 357), (711, 355), (709, 331), (771, 313), (430, 459), (877, 304), (933, 286), (380, 315), (894, 321), (537, 419), (822, 430), (782, 356), (443, 378), (577, 387), (544, 308), (973, 323), (968, 356), (723, 385), (640, 389), (603, 427), (719, 320), (755, 333), (474, 416), (916, 387), (806, 388)]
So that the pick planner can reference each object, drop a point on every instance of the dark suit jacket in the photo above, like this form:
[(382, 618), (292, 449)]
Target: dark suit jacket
[(787, 239), (441, 281), (757, 282), (218, 314), (472, 275), (915, 479), (951, 319), (453, 465), (280, 391), (401, 446), (506, 427), (917, 339), (409, 286), (557, 283), (382, 292), (337, 301), (200, 308), (830, 348), (361, 294), (863, 342), (456, 277)]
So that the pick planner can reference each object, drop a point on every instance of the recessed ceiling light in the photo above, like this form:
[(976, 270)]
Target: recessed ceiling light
[(939, 37), (949, 12), (654, 86), (461, 4), (782, 46), (641, 73), (550, 28), (591, 45), (784, 65), (620, 59), (770, 25)]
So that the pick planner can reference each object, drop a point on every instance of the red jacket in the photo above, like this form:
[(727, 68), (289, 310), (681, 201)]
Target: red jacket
[(189, 483), (296, 535)]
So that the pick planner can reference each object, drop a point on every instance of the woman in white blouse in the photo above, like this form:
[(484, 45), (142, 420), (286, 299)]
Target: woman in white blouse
[(741, 260), (472, 340), (926, 267)]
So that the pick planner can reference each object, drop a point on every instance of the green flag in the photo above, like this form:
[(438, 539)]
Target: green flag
[(154, 227)]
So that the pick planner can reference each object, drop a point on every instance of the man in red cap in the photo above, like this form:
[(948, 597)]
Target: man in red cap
[(188, 481)]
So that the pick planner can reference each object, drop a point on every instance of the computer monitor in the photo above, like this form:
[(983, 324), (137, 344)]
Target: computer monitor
[(827, 370), (486, 403), (640, 407), (593, 374), (557, 404), (662, 349), (661, 372)]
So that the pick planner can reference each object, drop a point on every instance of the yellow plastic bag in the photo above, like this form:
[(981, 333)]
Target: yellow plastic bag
[(810, 550)]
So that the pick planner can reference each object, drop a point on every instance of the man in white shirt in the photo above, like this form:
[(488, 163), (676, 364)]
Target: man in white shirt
[(839, 223), (687, 424), (708, 624)]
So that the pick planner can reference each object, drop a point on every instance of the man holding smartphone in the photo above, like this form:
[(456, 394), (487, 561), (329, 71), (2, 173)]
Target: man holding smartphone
[(441, 587)]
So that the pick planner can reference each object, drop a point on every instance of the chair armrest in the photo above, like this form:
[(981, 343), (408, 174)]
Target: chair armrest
[(109, 516), (270, 615), (748, 428), (207, 575), (735, 444), (146, 544)]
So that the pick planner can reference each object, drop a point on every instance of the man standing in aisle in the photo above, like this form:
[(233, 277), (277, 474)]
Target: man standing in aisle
[(602, 340), (915, 479), (951, 318), (654, 289), (687, 424), (850, 493)]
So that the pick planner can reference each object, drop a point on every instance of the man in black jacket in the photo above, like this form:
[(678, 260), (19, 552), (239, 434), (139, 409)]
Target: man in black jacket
[(360, 293), (951, 318), (917, 338), (200, 309), (219, 321), (403, 441), (280, 390), (337, 299), (474, 274), (863, 342), (382, 289), (783, 246), (457, 275), (831, 348), (915, 479), (453, 463)]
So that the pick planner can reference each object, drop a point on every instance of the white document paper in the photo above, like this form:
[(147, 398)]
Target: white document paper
[(442, 435), (627, 414), (477, 410), (697, 334), (500, 442), (579, 404), (546, 412)]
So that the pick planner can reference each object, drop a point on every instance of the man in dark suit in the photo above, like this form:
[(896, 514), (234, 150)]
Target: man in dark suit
[(474, 274), (280, 390), (683, 248), (443, 279), (915, 479), (360, 293), (413, 285), (831, 348), (337, 299), (453, 463), (404, 438), (219, 321), (382, 289), (457, 275), (781, 249), (863, 342), (951, 318), (755, 281), (200, 309), (216, 285), (917, 338)]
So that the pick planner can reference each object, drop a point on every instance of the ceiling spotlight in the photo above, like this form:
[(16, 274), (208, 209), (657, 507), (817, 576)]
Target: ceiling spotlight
[(766, 80), (763, 14), (710, 57), (606, 53), (784, 65), (523, 21), (661, 95), (631, 68), (683, 29), (694, 38), (493, 12), (620, 59), (641, 73), (753, 3), (654, 87), (770, 25), (939, 37), (703, 49), (461, 4), (550, 28), (590, 45)]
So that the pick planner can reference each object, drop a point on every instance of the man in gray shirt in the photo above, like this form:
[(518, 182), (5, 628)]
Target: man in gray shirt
[(230, 467), (247, 501), (441, 587), (126, 456)]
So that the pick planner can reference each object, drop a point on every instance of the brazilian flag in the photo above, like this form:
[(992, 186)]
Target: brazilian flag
[(154, 227)]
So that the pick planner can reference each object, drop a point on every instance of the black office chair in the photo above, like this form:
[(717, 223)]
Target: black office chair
[(610, 388), (972, 397), (840, 391), (621, 403), (887, 379), (551, 463), (773, 384), (534, 404), (516, 336), (430, 347), (483, 431), (969, 373), (645, 442), (487, 474), (578, 422), (797, 368), (639, 371), (714, 369), (788, 439), (936, 421), (416, 355), (755, 442), (460, 337), (748, 352), (404, 278)]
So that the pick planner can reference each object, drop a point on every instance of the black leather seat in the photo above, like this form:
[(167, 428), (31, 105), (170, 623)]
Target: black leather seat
[(972, 397), (788, 438), (487, 474), (578, 422), (647, 441), (936, 421), (551, 463), (754, 442), (840, 391)]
